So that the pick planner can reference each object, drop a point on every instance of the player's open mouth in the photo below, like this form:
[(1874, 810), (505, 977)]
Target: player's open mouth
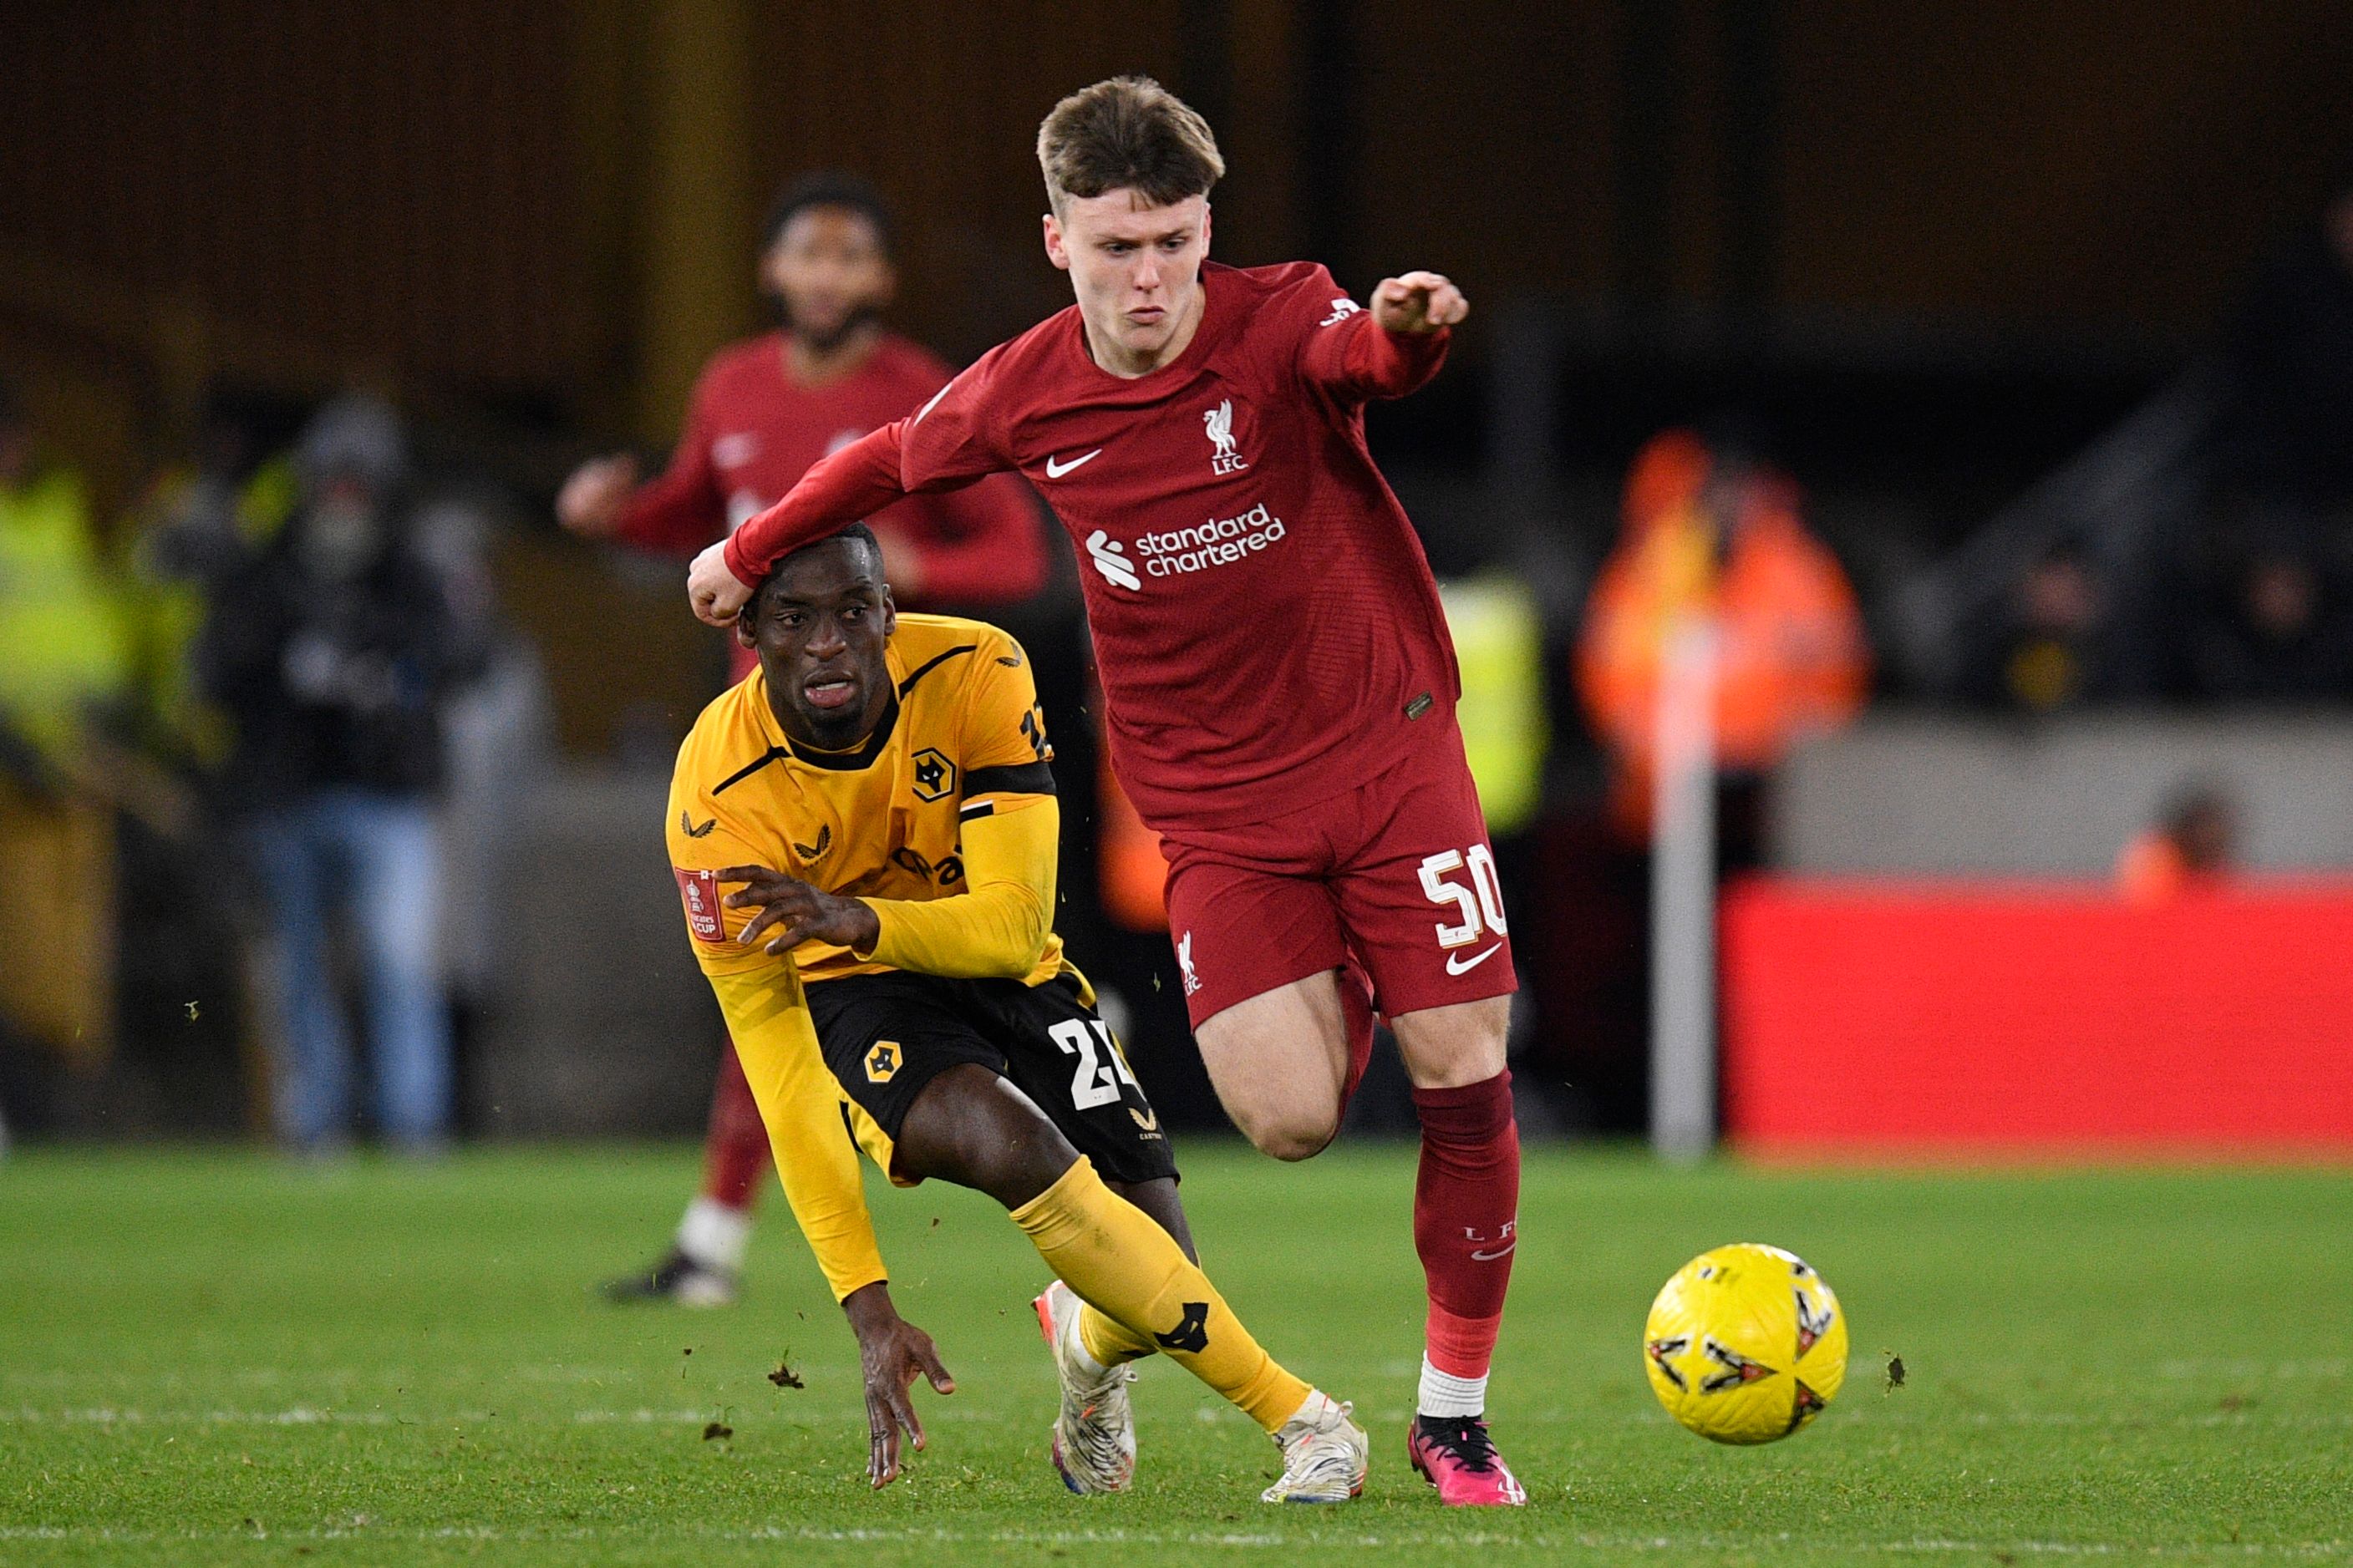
[(825, 691)]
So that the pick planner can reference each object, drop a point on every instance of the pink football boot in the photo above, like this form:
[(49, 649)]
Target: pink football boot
[(1456, 1455)]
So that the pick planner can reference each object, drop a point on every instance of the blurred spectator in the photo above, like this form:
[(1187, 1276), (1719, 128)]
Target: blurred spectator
[(62, 653), (195, 531), (334, 663), (2048, 650), (498, 731), (62, 665), (1715, 534), (2279, 631), (2191, 846)]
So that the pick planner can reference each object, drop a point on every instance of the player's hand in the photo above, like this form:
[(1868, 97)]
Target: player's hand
[(891, 1353), (590, 501), (797, 913), (1418, 302), (711, 587)]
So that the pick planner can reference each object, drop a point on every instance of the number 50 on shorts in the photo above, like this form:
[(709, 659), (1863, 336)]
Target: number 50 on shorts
[(1479, 905)]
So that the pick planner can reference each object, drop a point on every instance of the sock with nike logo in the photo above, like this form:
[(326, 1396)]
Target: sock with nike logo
[(1466, 1203)]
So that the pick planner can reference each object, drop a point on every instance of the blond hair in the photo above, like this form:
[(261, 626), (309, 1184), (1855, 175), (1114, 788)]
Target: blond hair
[(1128, 133)]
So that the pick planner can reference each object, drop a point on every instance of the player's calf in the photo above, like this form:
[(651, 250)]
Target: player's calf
[(1466, 1229)]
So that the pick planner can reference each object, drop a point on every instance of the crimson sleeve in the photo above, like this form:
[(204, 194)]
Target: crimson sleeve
[(839, 490), (1356, 358), (947, 444), (986, 547), (683, 510), (1344, 353)]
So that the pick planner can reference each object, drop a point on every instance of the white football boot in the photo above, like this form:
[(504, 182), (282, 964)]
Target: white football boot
[(1325, 1454), (1094, 1435)]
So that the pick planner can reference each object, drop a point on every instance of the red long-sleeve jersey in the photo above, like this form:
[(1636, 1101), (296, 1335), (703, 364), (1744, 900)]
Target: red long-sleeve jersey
[(751, 431), (1265, 620)]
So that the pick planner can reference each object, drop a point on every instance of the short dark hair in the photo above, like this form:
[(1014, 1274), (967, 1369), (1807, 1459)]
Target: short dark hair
[(830, 188), (856, 531), (1128, 133)]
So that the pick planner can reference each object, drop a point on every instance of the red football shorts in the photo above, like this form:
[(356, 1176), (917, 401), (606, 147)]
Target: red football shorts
[(1392, 879)]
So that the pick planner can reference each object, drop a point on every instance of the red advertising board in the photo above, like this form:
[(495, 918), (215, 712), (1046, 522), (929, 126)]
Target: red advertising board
[(1869, 1017)]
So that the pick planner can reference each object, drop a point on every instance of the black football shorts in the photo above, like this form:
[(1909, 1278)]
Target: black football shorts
[(887, 1036)]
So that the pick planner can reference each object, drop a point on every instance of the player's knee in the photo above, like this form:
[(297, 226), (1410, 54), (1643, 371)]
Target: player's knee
[(975, 1129), (1290, 1134)]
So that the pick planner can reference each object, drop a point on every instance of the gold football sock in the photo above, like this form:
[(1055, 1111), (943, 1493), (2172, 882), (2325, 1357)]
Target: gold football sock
[(1109, 1340), (1120, 1261)]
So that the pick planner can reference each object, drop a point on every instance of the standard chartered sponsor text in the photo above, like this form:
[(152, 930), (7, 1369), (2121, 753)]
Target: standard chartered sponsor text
[(1221, 541)]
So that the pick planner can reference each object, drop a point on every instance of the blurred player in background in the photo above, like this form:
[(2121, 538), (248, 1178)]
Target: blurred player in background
[(2192, 847), (1280, 685), (764, 410), (934, 1016)]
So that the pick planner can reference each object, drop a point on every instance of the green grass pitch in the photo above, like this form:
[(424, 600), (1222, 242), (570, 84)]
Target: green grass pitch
[(218, 1357)]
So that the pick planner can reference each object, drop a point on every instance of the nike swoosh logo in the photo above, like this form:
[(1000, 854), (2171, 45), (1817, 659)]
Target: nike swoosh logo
[(1456, 964), (1503, 1251), (1055, 470)]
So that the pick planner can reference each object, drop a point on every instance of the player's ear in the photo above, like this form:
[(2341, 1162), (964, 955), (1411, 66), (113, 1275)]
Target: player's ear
[(889, 614), (1205, 228), (744, 623), (1058, 248)]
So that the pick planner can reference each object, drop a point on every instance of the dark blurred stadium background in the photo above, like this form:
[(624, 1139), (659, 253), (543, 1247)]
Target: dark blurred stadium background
[(2029, 327)]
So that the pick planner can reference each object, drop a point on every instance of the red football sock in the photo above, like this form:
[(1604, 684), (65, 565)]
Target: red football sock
[(1466, 1204), (735, 1145)]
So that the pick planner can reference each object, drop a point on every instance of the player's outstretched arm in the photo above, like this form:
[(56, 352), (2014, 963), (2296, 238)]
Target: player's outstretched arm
[(836, 491), (591, 501), (1418, 302), (947, 444), (776, 1041), (1386, 349), (801, 1103)]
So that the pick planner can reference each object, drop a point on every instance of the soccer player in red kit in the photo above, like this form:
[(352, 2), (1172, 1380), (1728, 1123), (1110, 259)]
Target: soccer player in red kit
[(1279, 682), (764, 410)]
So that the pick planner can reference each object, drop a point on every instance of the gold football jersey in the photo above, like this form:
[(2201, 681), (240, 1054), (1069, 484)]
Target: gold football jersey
[(963, 737)]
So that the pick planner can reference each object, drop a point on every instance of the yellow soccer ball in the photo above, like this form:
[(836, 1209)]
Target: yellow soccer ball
[(1746, 1344)]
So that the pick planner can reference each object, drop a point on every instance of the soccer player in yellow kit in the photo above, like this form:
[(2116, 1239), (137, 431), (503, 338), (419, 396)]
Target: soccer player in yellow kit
[(877, 793)]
